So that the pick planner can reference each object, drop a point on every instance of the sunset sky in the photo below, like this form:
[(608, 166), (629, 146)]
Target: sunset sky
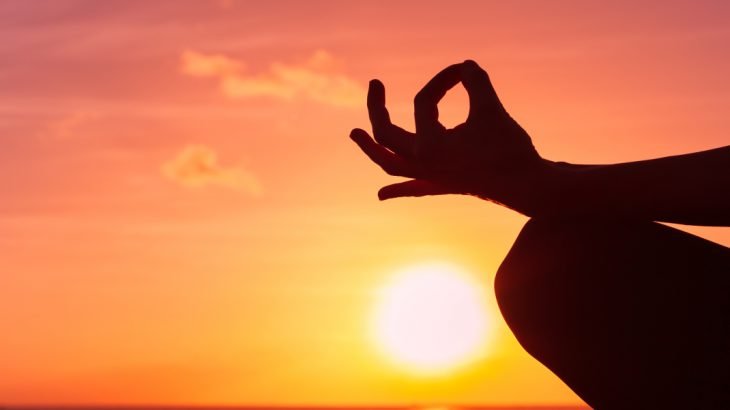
[(183, 218)]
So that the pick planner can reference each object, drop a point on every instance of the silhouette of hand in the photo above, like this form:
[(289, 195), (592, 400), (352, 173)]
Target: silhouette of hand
[(489, 155)]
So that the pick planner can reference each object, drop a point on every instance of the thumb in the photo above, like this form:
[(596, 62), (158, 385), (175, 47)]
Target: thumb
[(413, 187), (483, 100)]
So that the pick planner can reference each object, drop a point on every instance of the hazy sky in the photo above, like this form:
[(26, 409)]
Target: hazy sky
[(184, 220)]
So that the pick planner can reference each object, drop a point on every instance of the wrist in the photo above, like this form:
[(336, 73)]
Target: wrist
[(529, 189), (544, 188)]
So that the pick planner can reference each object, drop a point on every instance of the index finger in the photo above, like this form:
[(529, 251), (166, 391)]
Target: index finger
[(426, 102)]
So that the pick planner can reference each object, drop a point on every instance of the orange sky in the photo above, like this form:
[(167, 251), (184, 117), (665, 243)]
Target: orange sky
[(184, 220)]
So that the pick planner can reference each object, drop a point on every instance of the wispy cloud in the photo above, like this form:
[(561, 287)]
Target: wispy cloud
[(208, 65), (197, 166), (68, 126), (319, 78)]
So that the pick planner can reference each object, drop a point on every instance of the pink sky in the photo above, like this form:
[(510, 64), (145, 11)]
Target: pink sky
[(183, 218)]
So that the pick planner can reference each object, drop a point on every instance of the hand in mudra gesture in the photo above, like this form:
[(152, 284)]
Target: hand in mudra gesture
[(489, 155)]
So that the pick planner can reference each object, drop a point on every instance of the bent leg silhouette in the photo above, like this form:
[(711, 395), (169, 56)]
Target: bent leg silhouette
[(628, 314)]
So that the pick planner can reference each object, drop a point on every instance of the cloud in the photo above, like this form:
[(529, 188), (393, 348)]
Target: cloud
[(318, 79), (208, 65), (68, 125), (197, 166)]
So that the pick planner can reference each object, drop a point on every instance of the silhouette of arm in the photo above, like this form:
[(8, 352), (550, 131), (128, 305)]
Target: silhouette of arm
[(490, 156), (690, 189)]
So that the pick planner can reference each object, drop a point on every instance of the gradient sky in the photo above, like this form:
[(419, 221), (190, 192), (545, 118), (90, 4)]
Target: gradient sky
[(184, 220)]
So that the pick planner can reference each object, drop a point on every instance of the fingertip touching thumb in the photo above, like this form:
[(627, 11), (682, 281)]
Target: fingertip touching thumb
[(470, 70)]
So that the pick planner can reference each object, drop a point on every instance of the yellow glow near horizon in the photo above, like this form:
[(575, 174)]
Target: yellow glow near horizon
[(184, 220), (431, 319)]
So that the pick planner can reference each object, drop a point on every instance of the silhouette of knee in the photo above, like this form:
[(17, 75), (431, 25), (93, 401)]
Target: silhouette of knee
[(622, 311), (556, 290), (523, 281)]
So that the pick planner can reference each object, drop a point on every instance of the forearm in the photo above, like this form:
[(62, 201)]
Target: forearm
[(689, 189)]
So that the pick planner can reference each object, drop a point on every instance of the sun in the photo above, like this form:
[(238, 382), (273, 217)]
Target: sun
[(431, 319)]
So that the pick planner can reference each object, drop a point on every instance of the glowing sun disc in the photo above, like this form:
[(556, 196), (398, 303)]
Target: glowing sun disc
[(431, 318)]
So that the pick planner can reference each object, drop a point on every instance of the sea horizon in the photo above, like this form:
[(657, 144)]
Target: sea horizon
[(295, 407)]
